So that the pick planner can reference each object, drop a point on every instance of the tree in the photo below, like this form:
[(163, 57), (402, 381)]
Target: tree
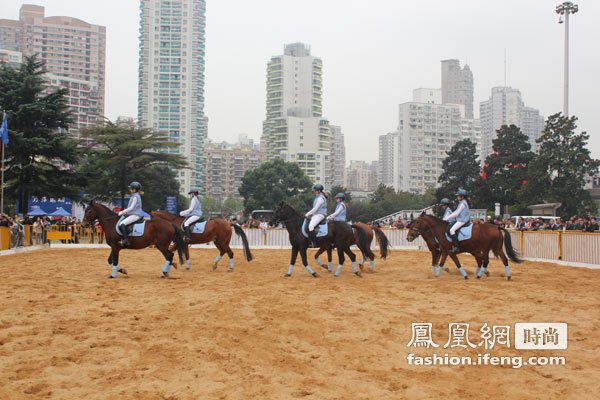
[(40, 155), (505, 170), (461, 171), (123, 154), (380, 193), (275, 181), (559, 171)]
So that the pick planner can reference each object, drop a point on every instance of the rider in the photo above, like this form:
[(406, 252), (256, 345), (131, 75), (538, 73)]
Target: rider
[(133, 211), (193, 214), (462, 215), (317, 214), (447, 210), (340, 209)]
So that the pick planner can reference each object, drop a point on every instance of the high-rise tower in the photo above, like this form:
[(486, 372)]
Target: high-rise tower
[(171, 79), (295, 129), (457, 85)]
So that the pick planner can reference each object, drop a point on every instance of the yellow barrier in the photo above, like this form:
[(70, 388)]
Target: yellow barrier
[(4, 238)]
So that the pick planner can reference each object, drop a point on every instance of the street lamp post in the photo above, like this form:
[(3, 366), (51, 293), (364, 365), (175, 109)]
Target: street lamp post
[(565, 9)]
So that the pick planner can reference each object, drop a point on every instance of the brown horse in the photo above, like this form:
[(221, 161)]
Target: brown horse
[(484, 238), (217, 230), (381, 238), (157, 232)]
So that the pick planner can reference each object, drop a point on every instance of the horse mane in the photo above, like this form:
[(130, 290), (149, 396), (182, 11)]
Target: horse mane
[(286, 205), (435, 219), (105, 208)]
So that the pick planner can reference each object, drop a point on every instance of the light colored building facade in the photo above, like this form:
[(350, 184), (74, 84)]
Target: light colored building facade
[(338, 156), (226, 165), (361, 175), (388, 166), (74, 53), (505, 107), (426, 95), (457, 85), (171, 80), (11, 57), (295, 129)]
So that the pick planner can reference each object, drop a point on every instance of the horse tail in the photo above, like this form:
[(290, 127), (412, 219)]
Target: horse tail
[(363, 242), (383, 241), (240, 232), (510, 252), (179, 243)]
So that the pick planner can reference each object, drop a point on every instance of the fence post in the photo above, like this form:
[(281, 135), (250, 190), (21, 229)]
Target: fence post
[(522, 243), (560, 254)]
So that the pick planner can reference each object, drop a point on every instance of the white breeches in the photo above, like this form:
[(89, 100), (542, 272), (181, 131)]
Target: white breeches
[(315, 220), (191, 220), (130, 219), (456, 227)]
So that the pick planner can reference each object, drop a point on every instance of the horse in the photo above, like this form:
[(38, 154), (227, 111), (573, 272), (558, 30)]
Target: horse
[(340, 235), (484, 238), (157, 232), (432, 245), (217, 230), (381, 238)]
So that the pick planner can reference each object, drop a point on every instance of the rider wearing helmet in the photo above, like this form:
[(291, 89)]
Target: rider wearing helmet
[(340, 209), (133, 212), (317, 214), (462, 215), (193, 214), (447, 210)]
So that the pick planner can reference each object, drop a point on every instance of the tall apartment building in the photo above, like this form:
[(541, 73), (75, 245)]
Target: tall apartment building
[(361, 175), (411, 159), (388, 167), (505, 107), (295, 129), (171, 80), (457, 85), (226, 165), (74, 52), (338, 156)]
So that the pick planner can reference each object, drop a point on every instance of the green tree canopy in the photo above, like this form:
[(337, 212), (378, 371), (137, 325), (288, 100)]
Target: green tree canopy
[(505, 170), (559, 171), (124, 154), (39, 153), (461, 171), (275, 181)]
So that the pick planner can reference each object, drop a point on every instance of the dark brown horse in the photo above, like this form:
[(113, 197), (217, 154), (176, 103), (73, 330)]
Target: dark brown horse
[(484, 238), (217, 230), (339, 235), (157, 232), (432, 245), (381, 238)]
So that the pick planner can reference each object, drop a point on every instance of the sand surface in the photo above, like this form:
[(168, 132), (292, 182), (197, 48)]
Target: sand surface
[(67, 332)]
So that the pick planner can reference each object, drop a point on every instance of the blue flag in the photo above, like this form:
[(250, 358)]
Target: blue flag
[(4, 130)]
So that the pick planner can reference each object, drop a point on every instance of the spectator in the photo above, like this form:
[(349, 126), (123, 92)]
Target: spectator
[(38, 225), (593, 225), (520, 225)]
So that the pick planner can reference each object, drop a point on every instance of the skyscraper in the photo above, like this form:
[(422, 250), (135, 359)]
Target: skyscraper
[(505, 107), (171, 80), (73, 51), (295, 129), (457, 85), (338, 156)]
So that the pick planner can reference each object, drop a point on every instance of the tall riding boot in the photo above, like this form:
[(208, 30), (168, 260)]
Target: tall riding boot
[(455, 247), (312, 238), (188, 233), (125, 235)]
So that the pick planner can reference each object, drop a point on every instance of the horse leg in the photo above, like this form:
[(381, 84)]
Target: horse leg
[(329, 259), (221, 252), (457, 262), (305, 262), (505, 262), (441, 264), (318, 253), (340, 261), (230, 254), (353, 259), (292, 261), (434, 259), (187, 256), (166, 269)]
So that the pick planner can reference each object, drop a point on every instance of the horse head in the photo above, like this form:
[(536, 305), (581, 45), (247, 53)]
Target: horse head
[(90, 214), (416, 227), (283, 212)]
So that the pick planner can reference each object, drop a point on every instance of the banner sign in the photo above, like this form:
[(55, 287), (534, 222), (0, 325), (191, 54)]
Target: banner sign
[(171, 204), (49, 205)]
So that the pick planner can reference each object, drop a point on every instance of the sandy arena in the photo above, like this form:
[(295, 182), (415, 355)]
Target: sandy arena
[(67, 332)]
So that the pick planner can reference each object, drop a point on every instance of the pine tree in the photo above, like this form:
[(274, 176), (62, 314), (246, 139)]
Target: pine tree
[(461, 171)]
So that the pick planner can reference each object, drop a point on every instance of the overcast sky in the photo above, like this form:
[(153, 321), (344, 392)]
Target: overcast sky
[(374, 54)]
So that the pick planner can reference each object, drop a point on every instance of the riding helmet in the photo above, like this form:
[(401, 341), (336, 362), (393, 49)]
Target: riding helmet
[(318, 186), (461, 192), (135, 185), (445, 201), (195, 191), (340, 196)]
